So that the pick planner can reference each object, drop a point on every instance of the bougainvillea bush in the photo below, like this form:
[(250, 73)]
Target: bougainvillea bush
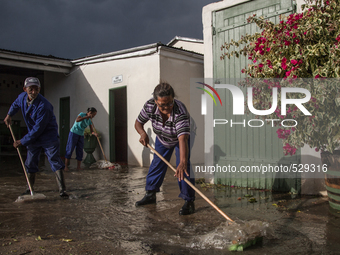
[(302, 45)]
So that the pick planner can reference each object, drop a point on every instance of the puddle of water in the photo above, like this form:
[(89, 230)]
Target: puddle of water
[(101, 213)]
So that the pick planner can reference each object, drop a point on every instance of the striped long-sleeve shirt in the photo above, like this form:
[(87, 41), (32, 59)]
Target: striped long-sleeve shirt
[(178, 123)]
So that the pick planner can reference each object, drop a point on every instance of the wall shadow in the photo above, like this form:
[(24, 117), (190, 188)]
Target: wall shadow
[(304, 177)]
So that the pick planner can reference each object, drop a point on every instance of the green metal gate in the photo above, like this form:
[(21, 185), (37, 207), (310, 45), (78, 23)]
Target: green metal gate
[(241, 146)]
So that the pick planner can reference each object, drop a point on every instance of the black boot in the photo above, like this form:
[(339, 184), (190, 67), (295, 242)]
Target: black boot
[(149, 198), (31, 178), (61, 183), (187, 208)]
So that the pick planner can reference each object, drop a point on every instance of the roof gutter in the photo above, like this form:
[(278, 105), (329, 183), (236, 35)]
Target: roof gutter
[(128, 53)]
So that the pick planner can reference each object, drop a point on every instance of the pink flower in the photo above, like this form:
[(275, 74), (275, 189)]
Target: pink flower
[(289, 149), (294, 62)]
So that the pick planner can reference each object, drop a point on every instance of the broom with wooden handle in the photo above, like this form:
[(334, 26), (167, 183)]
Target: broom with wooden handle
[(191, 185), (100, 145), (235, 246), (25, 197), (108, 164)]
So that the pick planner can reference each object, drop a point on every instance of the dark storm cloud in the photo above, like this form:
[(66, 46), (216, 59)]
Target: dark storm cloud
[(79, 28)]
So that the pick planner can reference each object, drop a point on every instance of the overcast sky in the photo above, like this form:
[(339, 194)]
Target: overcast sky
[(79, 28)]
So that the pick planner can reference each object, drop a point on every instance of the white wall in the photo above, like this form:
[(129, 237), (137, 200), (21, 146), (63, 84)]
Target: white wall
[(88, 85), (178, 70), (191, 46)]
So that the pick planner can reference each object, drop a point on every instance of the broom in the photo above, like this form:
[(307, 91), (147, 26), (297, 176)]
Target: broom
[(107, 164), (25, 197), (236, 246)]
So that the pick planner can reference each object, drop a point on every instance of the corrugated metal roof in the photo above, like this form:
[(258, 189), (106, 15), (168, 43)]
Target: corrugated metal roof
[(34, 61), (14, 58), (33, 54), (127, 53)]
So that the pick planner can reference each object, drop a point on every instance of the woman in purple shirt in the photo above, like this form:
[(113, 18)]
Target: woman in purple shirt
[(171, 123)]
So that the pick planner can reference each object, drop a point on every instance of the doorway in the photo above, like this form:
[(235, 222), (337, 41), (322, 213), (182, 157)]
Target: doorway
[(64, 123), (118, 124)]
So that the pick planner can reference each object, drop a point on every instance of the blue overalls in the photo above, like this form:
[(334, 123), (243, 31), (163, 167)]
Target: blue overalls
[(158, 168), (42, 131), (76, 138)]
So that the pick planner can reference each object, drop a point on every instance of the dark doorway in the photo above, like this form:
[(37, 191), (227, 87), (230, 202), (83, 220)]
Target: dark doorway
[(64, 123), (118, 124)]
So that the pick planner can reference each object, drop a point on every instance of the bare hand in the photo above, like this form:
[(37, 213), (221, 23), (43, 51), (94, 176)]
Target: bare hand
[(16, 143), (181, 169), (95, 134), (8, 120), (144, 139)]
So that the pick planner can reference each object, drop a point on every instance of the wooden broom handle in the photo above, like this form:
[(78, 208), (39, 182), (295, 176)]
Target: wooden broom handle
[(191, 185), (22, 162), (94, 129)]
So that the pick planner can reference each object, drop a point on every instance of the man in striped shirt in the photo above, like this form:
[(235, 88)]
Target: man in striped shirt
[(171, 123)]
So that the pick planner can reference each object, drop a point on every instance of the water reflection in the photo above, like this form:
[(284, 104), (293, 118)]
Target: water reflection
[(102, 210)]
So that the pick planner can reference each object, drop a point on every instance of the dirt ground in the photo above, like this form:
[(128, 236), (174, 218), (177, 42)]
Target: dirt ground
[(100, 217)]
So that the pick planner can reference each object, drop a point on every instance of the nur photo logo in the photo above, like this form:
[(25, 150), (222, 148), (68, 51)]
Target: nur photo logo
[(204, 99), (239, 101)]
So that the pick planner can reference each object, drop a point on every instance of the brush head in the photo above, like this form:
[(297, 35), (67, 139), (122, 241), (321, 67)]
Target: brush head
[(241, 247), (35, 196)]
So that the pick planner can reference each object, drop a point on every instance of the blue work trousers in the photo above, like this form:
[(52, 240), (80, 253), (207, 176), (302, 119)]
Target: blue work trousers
[(158, 168), (75, 141), (51, 150)]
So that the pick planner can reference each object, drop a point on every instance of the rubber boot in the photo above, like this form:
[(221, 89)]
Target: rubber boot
[(149, 198), (31, 178), (61, 183), (187, 208)]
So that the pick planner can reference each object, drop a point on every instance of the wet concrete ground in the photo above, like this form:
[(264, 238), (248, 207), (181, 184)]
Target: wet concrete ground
[(102, 218)]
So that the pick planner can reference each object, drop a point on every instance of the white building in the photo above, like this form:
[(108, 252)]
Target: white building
[(117, 84)]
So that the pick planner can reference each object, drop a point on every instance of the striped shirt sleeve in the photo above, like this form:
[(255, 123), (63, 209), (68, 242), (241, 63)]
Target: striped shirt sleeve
[(146, 112)]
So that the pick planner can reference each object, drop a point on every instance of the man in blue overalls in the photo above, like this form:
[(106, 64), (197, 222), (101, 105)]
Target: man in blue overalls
[(42, 132)]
